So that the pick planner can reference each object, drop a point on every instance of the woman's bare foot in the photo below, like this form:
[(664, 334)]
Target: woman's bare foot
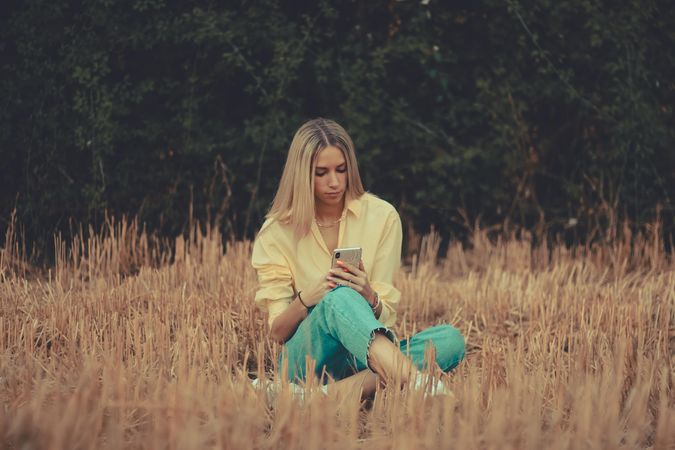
[(387, 360), (364, 382)]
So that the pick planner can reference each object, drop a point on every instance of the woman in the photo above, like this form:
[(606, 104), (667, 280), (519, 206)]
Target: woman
[(340, 318)]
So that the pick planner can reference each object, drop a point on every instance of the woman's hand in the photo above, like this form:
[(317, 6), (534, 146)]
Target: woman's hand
[(354, 277), (313, 295)]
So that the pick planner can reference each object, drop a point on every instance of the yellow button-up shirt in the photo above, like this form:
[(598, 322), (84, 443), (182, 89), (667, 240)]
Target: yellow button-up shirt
[(286, 265)]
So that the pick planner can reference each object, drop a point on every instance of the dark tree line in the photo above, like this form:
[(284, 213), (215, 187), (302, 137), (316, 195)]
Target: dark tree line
[(548, 115)]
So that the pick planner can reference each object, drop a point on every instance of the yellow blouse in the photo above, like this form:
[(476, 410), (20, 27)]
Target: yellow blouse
[(284, 264)]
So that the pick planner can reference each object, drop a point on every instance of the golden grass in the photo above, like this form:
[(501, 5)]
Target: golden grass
[(124, 343)]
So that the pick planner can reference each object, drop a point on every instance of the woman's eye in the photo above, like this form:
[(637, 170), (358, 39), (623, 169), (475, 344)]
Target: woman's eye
[(319, 174), (343, 170)]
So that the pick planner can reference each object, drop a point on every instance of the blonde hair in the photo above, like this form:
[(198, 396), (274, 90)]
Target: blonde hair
[(294, 201)]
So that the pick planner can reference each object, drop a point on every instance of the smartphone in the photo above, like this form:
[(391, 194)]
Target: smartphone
[(351, 255)]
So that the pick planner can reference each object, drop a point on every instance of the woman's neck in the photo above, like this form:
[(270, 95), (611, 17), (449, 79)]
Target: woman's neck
[(327, 213)]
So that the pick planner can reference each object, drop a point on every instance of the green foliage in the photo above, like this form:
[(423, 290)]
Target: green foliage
[(529, 113)]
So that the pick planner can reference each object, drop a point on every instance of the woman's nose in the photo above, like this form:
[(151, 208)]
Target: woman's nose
[(333, 179)]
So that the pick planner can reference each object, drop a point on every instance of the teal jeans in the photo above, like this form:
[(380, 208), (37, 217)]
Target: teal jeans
[(336, 335)]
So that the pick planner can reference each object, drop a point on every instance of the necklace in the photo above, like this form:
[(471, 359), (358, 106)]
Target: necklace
[(328, 225)]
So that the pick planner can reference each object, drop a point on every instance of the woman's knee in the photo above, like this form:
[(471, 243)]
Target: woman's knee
[(338, 297), (450, 347)]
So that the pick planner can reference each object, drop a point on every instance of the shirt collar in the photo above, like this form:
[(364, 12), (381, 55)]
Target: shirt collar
[(354, 205)]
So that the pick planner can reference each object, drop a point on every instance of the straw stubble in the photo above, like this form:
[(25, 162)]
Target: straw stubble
[(131, 341)]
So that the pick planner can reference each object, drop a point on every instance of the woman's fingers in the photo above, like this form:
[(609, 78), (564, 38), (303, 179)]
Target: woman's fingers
[(349, 275), (347, 279), (337, 273), (351, 268), (357, 287)]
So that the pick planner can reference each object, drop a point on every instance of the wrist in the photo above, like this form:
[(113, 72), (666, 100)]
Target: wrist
[(302, 301), (375, 301), (309, 298)]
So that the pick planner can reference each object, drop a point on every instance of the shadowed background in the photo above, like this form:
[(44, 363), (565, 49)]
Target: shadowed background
[(552, 116), (551, 119)]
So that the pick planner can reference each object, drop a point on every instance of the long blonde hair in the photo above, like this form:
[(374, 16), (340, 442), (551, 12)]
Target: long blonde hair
[(294, 201)]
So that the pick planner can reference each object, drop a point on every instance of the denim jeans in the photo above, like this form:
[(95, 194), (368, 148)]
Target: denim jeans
[(338, 331)]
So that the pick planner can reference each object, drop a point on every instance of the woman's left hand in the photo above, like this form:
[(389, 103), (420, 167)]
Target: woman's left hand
[(354, 277)]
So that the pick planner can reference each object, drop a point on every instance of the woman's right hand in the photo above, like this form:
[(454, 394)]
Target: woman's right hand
[(313, 295)]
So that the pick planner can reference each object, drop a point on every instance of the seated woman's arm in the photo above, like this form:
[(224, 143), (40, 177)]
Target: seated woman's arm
[(387, 262), (284, 325), (275, 289)]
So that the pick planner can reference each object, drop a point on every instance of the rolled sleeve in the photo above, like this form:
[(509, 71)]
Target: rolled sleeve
[(387, 263), (275, 283), (389, 296)]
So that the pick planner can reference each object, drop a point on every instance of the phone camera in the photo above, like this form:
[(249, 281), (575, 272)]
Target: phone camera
[(337, 255)]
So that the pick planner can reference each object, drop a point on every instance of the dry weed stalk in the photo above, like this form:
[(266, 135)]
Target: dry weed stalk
[(131, 342)]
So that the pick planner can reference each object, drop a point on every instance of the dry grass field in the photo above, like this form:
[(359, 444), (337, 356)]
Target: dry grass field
[(126, 344)]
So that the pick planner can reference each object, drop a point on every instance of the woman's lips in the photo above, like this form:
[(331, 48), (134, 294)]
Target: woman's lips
[(333, 194)]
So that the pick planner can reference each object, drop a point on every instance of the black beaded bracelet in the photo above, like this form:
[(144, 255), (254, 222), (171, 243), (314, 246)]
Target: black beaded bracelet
[(303, 303)]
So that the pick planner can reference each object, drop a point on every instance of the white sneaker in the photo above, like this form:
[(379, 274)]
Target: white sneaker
[(273, 388), (431, 387)]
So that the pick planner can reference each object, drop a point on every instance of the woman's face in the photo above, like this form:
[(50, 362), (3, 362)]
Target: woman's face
[(330, 176)]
